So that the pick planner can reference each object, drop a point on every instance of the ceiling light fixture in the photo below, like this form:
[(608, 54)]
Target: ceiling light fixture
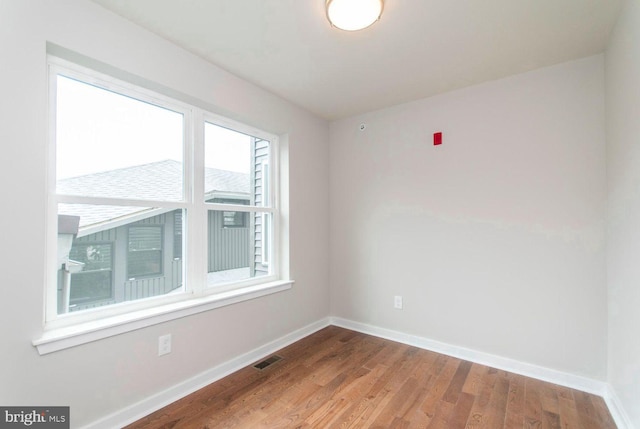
[(352, 15)]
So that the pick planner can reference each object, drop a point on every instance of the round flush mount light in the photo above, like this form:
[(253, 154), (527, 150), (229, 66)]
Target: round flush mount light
[(352, 15)]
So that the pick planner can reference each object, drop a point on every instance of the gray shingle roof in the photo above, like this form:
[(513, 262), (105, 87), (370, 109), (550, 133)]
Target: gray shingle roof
[(160, 180)]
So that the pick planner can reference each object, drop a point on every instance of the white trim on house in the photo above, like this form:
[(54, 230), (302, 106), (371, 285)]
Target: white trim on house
[(226, 195), (121, 221)]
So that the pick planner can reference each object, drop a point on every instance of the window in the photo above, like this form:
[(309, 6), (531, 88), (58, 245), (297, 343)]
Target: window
[(234, 168), (177, 235), (234, 219), (124, 169), (144, 251), (231, 219), (94, 283)]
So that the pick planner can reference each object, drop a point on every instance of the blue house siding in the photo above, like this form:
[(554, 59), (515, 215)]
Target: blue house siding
[(229, 247), (260, 150), (116, 241)]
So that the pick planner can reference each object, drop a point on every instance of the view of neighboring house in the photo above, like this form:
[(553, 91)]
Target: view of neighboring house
[(124, 253)]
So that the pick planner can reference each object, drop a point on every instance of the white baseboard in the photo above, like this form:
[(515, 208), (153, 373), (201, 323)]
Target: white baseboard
[(145, 407), (541, 373), (572, 381), (617, 411)]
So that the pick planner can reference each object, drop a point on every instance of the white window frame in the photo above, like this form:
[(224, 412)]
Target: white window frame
[(270, 205), (70, 329)]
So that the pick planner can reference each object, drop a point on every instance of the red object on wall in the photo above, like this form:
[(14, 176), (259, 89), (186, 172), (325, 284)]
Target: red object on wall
[(437, 139)]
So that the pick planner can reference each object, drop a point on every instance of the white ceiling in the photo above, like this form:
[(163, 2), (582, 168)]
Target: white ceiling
[(418, 48)]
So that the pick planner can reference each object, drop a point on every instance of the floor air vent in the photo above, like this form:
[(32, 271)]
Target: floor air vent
[(265, 363)]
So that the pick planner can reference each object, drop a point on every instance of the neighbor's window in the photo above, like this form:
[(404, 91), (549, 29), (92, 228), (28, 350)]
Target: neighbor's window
[(235, 220), (177, 235), (122, 196), (145, 251), (95, 282)]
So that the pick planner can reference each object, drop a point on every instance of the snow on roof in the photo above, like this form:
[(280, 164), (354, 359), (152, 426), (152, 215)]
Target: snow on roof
[(154, 181)]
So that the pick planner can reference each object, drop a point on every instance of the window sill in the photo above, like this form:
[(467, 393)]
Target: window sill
[(64, 338)]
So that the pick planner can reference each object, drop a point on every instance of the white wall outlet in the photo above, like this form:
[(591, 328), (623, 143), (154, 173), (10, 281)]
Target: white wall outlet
[(397, 302), (164, 344)]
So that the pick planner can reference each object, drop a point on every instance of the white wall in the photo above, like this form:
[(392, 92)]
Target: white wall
[(99, 378), (623, 175), (494, 239)]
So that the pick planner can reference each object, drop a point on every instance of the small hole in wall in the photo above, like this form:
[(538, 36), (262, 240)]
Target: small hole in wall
[(363, 127)]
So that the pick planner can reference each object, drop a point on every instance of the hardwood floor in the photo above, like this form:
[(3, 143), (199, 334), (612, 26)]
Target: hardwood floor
[(338, 378)]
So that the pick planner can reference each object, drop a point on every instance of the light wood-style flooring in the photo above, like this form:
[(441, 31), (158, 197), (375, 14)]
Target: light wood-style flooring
[(338, 378)]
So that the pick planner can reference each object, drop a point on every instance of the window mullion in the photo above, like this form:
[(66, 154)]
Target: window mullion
[(197, 218)]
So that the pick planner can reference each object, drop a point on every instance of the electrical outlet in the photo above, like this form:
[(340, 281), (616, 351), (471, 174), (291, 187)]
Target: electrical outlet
[(164, 344), (397, 302)]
